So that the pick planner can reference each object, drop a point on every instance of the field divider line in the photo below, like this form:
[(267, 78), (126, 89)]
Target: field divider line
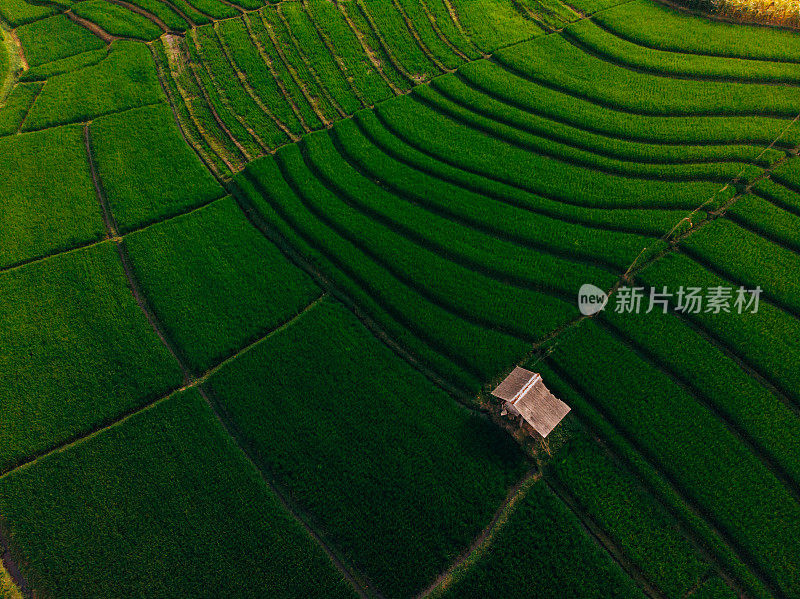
[(312, 102), (193, 38), (635, 68), (112, 230), (190, 140), (510, 102), (394, 271), (485, 175), (412, 29), (439, 33), (254, 96), (620, 35), (189, 384), (370, 322), (28, 111), (470, 556), (359, 583), (326, 40), (527, 110), (170, 4), (728, 421), (602, 538), (535, 80), (451, 10), (672, 482), (508, 201), (575, 162), (304, 59), (92, 27), (468, 223), (146, 14), (572, 162), (369, 52)]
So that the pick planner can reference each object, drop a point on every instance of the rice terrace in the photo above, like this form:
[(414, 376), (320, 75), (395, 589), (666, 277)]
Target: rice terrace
[(399, 299)]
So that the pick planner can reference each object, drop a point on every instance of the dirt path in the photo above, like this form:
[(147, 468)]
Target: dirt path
[(11, 567), (146, 14), (94, 28), (484, 540)]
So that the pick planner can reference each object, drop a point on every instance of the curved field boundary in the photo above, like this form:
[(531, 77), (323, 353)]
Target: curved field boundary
[(376, 297), (494, 131), (568, 202), (441, 250), (331, 50), (633, 156), (412, 29), (640, 137), (93, 27), (609, 106), (503, 199), (312, 102), (439, 33), (146, 14), (414, 80), (673, 485), (311, 69), (736, 429), (603, 539), (683, 9), (445, 211), (254, 95), (403, 278), (630, 65)]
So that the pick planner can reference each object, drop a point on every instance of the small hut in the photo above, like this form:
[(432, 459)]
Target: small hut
[(525, 395)]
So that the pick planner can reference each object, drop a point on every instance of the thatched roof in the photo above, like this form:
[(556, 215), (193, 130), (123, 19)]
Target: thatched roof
[(525, 393)]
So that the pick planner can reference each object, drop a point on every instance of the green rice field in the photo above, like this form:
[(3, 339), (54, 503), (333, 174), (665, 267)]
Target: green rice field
[(263, 262)]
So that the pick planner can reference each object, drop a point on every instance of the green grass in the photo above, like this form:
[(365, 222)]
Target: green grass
[(126, 79), (435, 45), (117, 20), (146, 169), (398, 38), (214, 8), (618, 120), (47, 168), (493, 24), (308, 41), (680, 32), (542, 550), (464, 99), (20, 12), (82, 350), (215, 282), (319, 425), (170, 18), (616, 501), (365, 77), (675, 432), (479, 152), (163, 504), (54, 38), (627, 53), (611, 85), (16, 106), (65, 65)]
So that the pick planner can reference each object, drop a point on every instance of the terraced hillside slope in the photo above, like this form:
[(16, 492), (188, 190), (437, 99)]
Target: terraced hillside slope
[(261, 264)]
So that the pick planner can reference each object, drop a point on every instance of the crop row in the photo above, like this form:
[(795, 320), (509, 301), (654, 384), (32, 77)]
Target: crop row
[(620, 120), (675, 431), (117, 20), (542, 61), (595, 39), (616, 500)]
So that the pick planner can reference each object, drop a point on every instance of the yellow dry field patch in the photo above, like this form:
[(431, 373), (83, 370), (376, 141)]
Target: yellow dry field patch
[(773, 12), (8, 589)]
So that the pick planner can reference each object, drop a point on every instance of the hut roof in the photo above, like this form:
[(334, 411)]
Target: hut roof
[(526, 392)]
